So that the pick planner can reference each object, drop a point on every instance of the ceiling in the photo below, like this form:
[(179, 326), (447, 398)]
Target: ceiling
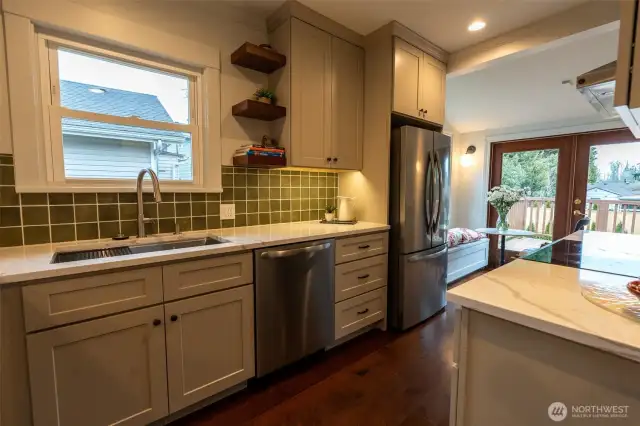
[(529, 90), (443, 22)]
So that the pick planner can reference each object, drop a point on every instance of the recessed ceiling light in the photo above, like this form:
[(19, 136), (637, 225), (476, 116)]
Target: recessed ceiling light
[(97, 90), (477, 25)]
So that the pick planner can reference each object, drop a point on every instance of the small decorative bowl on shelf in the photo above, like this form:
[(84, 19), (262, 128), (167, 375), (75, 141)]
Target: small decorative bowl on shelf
[(634, 287)]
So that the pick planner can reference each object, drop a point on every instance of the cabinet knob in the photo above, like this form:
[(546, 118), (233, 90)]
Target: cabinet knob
[(328, 159), (174, 318), (425, 112), (335, 160), (157, 322)]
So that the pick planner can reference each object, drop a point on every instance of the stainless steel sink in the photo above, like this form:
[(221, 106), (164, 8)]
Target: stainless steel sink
[(173, 245), (74, 256)]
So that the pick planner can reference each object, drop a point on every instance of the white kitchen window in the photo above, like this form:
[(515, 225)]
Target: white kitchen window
[(107, 115)]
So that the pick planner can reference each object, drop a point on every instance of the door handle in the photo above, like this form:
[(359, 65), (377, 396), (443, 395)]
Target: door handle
[(289, 253), (419, 257), (427, 193), (437, 171), (578, 213)]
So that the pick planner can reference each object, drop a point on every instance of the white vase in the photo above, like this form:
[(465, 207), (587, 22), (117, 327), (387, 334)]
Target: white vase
[(329, 217)]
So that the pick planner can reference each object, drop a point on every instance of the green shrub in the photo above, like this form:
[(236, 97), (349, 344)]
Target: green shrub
[(531, 227), (593, 226), (619, 229)]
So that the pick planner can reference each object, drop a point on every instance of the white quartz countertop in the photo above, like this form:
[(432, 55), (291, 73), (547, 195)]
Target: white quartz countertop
[(30, 263), (548, 298)]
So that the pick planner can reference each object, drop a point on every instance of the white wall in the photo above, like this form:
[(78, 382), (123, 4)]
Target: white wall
[(469, 184), (215, 24)]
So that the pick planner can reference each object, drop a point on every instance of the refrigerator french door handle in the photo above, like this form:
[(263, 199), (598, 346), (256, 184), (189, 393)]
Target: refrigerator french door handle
[(427, 195), (419, 257), (437, 181)]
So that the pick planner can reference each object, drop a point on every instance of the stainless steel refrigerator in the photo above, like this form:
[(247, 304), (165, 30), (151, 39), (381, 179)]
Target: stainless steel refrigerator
[(418, 211)]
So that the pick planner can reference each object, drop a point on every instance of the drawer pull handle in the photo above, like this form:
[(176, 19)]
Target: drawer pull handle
[(363, 312), (362, 277), (366, 246), (156, 322)]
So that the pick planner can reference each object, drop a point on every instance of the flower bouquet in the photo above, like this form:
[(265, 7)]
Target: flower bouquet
[(502, 198)]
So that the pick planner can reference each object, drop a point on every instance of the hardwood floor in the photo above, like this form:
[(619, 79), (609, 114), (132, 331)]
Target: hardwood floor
[(380, 378)]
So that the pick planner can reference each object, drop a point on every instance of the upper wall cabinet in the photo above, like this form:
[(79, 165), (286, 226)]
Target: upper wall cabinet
[(418, 83), (322, 87)]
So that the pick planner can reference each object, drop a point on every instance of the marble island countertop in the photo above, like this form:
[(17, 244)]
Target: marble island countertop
[(31, 263), (549, 298)]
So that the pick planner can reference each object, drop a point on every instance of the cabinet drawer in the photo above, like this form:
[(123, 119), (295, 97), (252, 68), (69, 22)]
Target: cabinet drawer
[(78, 299), (361, 276), (355, 248), (360, 311), (204, 276)]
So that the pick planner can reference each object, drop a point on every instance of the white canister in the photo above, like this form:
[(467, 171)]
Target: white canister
[(346, 208)]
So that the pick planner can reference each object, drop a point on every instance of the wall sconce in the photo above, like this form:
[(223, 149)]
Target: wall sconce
[(467, 159)]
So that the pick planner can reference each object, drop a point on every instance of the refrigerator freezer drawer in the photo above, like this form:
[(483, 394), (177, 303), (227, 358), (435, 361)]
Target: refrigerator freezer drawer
[(361, 276), (423, 285), (360, 311), (348, 249)]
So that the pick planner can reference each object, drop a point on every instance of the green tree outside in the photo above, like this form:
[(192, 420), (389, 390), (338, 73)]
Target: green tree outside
[(534, 171)]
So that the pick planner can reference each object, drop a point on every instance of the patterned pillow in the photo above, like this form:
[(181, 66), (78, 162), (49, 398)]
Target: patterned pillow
[(457, 236)]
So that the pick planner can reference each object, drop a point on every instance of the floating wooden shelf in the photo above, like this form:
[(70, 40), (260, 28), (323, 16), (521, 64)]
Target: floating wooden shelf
[(258, 58), (259, 161), (258, 110)]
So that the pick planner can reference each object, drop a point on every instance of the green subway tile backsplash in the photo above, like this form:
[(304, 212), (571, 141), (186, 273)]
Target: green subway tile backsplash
[(260, 196)]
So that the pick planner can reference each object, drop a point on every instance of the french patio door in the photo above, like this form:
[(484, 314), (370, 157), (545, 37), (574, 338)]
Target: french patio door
[(566, 178)]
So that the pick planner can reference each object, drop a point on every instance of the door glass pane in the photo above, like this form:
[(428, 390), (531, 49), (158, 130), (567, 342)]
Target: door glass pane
[(536, 172), (613, 188)]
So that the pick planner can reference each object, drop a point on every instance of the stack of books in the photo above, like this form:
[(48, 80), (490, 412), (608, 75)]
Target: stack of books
[(259, 151)]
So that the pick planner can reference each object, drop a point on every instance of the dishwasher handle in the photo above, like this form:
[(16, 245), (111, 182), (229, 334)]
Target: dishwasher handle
[(289, 253)]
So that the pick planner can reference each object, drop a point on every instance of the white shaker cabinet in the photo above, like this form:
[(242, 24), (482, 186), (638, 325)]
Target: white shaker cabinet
[(100, 372), (322, 87), (433, 83), (418, 83), (347, 105), (310, 96), (209, 344), (407, 95)]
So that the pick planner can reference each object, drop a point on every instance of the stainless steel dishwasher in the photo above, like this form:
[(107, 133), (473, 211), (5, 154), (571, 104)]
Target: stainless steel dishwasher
[(294, 302)]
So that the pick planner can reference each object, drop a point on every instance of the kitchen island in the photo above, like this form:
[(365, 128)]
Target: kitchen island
[(530, 349)]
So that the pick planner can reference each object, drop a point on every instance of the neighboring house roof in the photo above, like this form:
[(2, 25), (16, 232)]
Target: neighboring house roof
[(619, 188), (116, 102)]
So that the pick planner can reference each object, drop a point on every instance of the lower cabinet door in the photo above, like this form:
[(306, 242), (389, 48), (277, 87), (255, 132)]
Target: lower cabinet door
[(210, 345), (102, 372)]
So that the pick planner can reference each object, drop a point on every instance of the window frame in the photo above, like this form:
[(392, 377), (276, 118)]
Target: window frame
[(53, 113)]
